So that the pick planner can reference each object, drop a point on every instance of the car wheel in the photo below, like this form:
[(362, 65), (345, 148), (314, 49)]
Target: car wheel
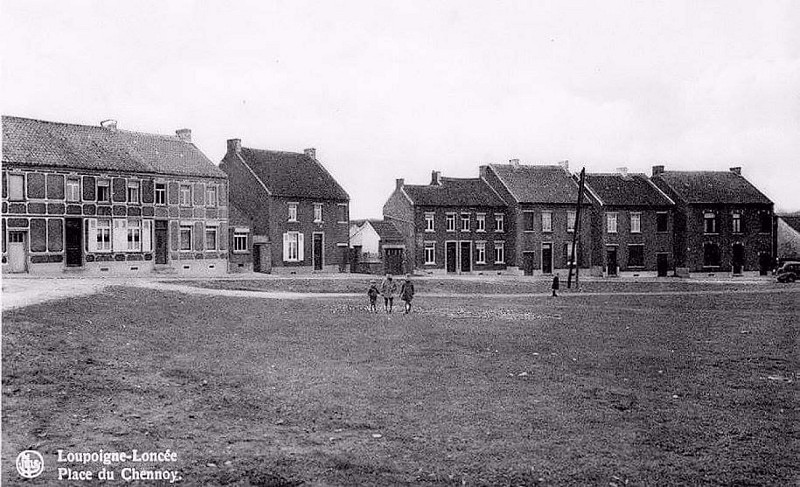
[(790, 278)]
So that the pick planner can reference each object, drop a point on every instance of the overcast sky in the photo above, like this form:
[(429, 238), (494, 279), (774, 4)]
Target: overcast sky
[(395, 89)]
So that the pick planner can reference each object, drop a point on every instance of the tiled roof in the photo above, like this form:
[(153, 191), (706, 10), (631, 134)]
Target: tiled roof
[(538, 184), (386, 230), (793, 221), (630, 190), (62, 145), (293, 174), (454, 192), (713, 187)]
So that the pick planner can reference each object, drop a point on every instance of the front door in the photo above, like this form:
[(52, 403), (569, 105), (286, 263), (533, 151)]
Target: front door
[(528, 262), (547, 258), (611, 261), (318, 246), (73, 236), (393, 263), (662, 264), (764, 263), (466, 256), (450, 257), (738, 258), (162, 242), (16, 251)]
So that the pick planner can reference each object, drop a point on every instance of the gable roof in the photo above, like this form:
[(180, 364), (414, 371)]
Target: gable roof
[(712, 187), (630, 190), (293, 174), (454, 192), (538, 184), (39, 143), (792, 220)]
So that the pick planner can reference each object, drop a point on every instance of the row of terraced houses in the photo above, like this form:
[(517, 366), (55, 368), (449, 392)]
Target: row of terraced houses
[(102, 200)]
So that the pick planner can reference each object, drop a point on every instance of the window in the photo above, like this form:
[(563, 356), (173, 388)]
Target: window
[(499, 252), (528, 224), (570, 221), (341, 217), (429, 222), (636, 223), (710, 255), (161, 193), (133, 191), (211, 238), (611, 222), (480, 252), (765, 222), (103, 190), (547, 221), (103, 235), (499, 222), (635, 255), (292, 212), (662, 221), (736, 223), (73, 189), (16, 187), (135, 235), (211, 195), (450, 219), (465, 222), (293, 247), (186, 195), (317, 212), (710, 222), (240, 242), (480, 222), (430, 253), (186, 237)]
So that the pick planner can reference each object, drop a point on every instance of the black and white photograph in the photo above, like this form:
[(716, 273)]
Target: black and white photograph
[(286, 243)]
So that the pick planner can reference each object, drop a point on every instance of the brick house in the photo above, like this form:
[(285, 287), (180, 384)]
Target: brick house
[(299, 213), (377, 247), (240, 255), (541, 206), (722, 222), (632, 225), (100, 200), (453, 225)]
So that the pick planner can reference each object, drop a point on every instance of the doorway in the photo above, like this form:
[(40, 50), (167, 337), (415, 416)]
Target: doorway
[(17, 258), (393, 263), (317, 254), (611, 261), (662, 264), (738, 258), (547, 258), (450, 256), (73, 236), (466, 257), (528, 263), (162, 241)]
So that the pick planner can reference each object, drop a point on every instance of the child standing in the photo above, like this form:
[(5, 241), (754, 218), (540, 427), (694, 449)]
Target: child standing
[(388, 289), (555, 285), (373, 296), (407, 293)]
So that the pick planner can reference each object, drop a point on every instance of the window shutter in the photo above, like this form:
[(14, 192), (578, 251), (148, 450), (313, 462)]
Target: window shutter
[(147, 232), (286, 247), (120, 235), (300, 247), (92, 240)]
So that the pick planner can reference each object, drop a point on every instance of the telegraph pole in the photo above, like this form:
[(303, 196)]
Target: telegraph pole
[(575, 239)]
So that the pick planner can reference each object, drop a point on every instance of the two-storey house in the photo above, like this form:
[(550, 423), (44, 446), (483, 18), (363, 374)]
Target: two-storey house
[(723, 224), (299, 213), (101, 200), (542, 204), (632, 225), (453, 225)]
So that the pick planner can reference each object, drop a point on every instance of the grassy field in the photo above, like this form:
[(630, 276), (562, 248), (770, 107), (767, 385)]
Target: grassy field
[(588, 390)]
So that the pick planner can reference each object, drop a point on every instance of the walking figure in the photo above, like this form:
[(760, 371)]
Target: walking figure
[(388, 290), (555, 285), (407, 293), (373, 296)]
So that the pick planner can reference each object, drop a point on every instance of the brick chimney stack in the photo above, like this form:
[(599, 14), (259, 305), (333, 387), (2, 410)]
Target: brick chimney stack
[(514, 162), (658, 170), (399, 183), (564, 165), (109, 124), (482, 171), (234, 146), (436, 178), (184, 134), (311, 152), (737, 170), (623, 171)]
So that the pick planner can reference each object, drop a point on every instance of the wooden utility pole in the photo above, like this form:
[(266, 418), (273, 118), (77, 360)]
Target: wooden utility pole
[(575, 239)]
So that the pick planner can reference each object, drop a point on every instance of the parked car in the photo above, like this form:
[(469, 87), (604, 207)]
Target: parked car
[(788, 272)]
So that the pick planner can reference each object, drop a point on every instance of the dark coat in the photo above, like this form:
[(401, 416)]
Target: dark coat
[(407, 291), (555, 282), (373, 292)]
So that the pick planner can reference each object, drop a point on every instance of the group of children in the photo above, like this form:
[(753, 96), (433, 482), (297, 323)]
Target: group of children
[(388, 289)]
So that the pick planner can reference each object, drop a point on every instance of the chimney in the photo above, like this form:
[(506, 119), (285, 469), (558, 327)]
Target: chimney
[(658, 170), (436, 178), (184, 134), (109, 124), (399, 183), (312, 153), (514, 162), (623, 171), (737, 170), (482, 171), (564, 165), (234, 146)]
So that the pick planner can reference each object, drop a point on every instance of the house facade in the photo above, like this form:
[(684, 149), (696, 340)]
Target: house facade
[(100, 200), (542, 216), (632, 225), (376, 247), (788, 237), (722, 223), (240, 238), (298, 212), (452, 225)]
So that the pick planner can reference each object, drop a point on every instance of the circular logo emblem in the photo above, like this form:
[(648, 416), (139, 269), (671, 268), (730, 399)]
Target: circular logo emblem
[(30, 464)]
